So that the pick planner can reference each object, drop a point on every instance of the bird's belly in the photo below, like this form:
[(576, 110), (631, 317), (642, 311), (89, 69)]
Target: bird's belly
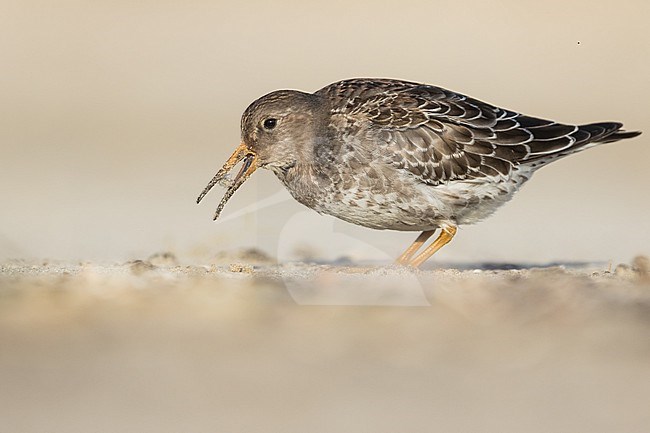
[(382, 214), (472, 201), (395, 208), (408, 205), (398, 204)]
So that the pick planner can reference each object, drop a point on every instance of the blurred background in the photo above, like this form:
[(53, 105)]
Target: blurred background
[(114, 115)]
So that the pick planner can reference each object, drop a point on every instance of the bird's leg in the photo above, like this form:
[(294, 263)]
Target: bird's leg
[(415, 246), (446, 235)]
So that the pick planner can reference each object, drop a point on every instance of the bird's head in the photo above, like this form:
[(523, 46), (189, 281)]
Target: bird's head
[(276, 130)]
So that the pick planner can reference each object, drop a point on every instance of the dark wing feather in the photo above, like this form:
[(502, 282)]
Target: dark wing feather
[(441, 136)]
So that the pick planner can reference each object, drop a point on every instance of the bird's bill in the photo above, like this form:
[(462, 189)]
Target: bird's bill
[(249, 165)]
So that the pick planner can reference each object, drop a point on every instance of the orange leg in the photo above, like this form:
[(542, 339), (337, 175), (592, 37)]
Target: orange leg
[(415, 246), (446, 235)]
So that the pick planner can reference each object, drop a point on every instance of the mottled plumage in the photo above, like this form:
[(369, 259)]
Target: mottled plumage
[(390, 154)]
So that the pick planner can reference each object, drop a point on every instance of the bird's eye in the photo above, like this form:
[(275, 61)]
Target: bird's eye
[(270, 123)]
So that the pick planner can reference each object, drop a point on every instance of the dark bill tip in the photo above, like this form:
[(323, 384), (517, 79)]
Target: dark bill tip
[(247, 168), (239, 154)]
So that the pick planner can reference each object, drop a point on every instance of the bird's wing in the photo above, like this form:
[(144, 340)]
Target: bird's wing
[(440, 136)]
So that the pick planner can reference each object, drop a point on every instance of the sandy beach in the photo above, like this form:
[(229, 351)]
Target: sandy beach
[(243, 344)]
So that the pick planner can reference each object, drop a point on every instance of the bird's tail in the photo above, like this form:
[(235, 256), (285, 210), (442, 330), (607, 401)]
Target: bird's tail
[(604, 132), (585, 137)]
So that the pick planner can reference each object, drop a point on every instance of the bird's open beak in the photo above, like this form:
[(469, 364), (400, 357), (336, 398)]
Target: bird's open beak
[(249, 165)]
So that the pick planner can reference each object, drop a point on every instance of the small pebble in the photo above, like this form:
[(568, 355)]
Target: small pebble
[(624, 271), (139, 267), (236, 267)]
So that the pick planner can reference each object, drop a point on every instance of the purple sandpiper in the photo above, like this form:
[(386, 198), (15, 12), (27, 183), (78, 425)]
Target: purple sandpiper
[(398, 155)]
